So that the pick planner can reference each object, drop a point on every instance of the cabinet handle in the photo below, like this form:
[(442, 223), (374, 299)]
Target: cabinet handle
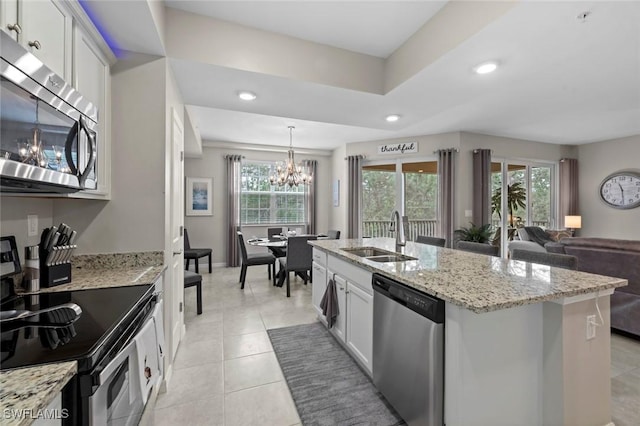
[(347, 292), (35, 44), (341, 288), (177, 253), (15, 27)]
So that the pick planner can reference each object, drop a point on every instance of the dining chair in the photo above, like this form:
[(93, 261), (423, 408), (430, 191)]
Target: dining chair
[(479, 248), (550, 259), (195, 253), (255, 259), (333, 234), (298, 259), (273, 231), (192, 279), (432, 241)]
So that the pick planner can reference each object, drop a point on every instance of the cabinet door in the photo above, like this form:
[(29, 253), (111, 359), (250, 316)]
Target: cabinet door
[(92, 79), (319, 286), (46, 25), (339, 328), (9, 17), (360, 324)]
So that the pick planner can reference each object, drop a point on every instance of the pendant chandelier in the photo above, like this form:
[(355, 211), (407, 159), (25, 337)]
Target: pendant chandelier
[(288, 172)]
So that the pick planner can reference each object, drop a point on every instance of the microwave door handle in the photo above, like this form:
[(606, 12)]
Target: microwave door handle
[(71, 136), (91, 135)]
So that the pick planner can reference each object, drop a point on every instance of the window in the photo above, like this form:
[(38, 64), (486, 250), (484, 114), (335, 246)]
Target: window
[(262, 203)]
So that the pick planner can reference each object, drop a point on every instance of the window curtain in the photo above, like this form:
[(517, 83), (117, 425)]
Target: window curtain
[(446, 185), (310, 195), (481, 186), (568, 197), (234, 163), (354, 177)]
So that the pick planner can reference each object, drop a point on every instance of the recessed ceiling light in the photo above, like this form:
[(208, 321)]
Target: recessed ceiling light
[(247, 96), (393, 117), (486, 68)]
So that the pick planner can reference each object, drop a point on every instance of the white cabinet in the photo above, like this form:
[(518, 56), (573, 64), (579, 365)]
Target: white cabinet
[(92, 79), (340, 326), (359, 321), (354, 324), (318, 288), (54, 410), (9, 18), (46, 32), (43, 27)]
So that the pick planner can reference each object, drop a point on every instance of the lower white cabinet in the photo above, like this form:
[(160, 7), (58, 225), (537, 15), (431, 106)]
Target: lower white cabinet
[(318, 287), (359, 324), (354, 324)]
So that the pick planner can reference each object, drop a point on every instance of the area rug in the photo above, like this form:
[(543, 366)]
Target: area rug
[(327, 385)]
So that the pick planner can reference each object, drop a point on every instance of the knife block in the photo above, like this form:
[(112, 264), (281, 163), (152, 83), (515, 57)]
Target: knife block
[(53, 275)]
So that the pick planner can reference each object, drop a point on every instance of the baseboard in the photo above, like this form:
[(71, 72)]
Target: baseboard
[(204, 266)]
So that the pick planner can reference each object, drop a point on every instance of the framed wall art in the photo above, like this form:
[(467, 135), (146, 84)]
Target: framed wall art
[(199, 197)]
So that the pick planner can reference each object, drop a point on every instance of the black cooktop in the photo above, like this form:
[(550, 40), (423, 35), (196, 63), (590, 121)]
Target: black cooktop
[(106, 313)]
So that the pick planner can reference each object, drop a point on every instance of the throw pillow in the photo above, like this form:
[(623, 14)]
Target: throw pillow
[(558, 234)]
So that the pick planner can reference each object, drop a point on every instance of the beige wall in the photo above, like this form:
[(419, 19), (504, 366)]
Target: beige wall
[(13, 215), (596, 161), (211, 231)]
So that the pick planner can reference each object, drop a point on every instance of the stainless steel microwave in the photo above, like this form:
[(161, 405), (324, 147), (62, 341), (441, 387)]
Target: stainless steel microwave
[(48, 131)]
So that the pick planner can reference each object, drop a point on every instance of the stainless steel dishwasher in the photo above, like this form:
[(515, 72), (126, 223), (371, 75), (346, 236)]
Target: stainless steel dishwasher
[(408, 351)]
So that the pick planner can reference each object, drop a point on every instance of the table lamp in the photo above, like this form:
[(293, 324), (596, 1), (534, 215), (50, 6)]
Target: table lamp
[(572, 223)]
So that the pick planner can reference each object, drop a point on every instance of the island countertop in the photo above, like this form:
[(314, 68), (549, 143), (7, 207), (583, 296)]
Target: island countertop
[(476, 282)]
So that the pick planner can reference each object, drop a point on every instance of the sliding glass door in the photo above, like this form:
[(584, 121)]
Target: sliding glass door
[(408, 187), (530, 201)]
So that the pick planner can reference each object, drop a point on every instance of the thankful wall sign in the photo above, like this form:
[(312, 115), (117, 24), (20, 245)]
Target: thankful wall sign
[(398, 148)]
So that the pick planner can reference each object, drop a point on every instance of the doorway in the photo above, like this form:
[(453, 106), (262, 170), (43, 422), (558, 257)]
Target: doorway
[(410, 187)]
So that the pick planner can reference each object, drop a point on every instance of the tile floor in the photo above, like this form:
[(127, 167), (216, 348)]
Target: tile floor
[(226, 372)]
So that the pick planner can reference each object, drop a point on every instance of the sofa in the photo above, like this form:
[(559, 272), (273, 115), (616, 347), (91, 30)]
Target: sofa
[(614, 258), (534, 238)]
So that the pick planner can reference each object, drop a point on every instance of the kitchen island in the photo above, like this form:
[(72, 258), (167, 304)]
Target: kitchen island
[(516, 350)]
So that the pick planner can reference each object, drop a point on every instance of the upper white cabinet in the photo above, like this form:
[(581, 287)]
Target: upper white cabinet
[(92, 79), (44, 28)]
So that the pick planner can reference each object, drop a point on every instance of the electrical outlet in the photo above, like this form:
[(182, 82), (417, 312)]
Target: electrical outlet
[(591, 327), (32, 225)]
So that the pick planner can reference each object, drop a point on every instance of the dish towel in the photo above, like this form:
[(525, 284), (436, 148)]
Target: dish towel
[(329, 303)]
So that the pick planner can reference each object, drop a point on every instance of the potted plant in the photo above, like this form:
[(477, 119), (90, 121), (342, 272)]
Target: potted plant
[(476, 234), (516, 199)]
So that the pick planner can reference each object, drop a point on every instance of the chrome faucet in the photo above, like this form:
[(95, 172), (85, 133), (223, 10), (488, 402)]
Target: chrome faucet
[(397, 227)]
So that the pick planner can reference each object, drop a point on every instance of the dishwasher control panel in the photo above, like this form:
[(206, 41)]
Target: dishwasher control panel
[(421, 303)]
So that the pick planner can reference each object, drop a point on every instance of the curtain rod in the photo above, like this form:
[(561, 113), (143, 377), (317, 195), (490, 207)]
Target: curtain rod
[(446, 149), (362, 157), (233, 155), (475, 151)]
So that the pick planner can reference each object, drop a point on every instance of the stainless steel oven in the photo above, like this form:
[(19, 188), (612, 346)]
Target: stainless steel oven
[(118, 346), (48, 131)]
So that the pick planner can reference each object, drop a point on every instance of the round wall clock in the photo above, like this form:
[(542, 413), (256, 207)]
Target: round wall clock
[(621, 190)]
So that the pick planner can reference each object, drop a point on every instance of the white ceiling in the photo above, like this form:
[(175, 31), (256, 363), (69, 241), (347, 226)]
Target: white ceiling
[(560, 80)]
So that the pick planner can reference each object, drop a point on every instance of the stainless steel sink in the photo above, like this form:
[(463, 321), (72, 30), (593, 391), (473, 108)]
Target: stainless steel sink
[(390, 258), (378, 255), (367, 251)]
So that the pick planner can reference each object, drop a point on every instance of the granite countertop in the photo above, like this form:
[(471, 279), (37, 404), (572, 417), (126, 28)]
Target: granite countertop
[(26, 391), (111, 270), (476, 282)]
